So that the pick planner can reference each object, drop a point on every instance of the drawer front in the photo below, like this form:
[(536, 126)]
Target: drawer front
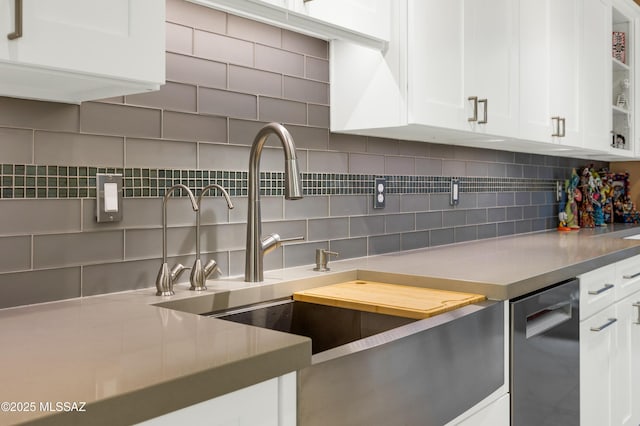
[(628, 277), (597, 290)]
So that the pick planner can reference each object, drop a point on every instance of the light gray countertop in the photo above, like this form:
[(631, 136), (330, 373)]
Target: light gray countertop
[(131, 358)]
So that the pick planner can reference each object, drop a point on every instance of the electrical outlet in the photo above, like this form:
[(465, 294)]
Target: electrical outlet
[(455, 192), (558, 190), (380, 193)]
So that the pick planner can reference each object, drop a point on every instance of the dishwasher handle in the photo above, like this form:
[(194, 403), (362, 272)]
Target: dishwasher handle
[(548, 318)]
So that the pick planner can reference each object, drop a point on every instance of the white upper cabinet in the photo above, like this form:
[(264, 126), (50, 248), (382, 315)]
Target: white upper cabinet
[(596, 74), (491, 66), (365, 22), (367, 17), (550, 39), (75, 50), (449, 74), (469, 82)]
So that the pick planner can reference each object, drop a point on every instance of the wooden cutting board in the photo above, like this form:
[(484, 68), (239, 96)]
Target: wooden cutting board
[(390, 299)]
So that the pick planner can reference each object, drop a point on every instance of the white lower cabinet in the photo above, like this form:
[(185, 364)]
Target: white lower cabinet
[(626, 363), (610, 347), (597, 342), (496, 414), (270, 403)]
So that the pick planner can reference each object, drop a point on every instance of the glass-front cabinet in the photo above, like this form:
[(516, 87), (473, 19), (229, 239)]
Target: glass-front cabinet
[(624, 16)]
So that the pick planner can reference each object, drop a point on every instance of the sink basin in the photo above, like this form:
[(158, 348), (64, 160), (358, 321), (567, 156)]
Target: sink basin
[(373, 369), (328, 327)]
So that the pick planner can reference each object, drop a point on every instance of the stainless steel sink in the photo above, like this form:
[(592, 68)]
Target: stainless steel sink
[(373, 369), (328, 327)]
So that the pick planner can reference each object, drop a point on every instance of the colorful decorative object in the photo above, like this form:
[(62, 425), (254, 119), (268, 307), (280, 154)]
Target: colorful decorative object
[(619, 46), (562, 214), (595, 198), (573, 197)]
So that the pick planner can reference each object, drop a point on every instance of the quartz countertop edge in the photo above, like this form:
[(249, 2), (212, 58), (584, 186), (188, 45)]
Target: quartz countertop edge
[(133, 356)]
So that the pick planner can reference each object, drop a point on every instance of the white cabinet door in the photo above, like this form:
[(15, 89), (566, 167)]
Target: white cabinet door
[(496, 414), (435, 63), (550, 33), (626, 357), (596, 74), (92, 40), (491, 64), (270, 403), (461, 49), (597, 343)]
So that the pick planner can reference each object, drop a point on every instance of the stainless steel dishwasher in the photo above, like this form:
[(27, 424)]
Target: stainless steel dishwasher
[(545, 357)]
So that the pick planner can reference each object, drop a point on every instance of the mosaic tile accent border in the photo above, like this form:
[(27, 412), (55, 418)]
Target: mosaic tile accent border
[(41, 181)]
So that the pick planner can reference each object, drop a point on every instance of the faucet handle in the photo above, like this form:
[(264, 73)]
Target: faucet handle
[(322, 259), (273, 241), (176, 271)]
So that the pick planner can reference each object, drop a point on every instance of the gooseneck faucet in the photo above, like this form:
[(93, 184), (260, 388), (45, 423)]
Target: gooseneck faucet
[(199, 274), (166, 278), (256, 248)]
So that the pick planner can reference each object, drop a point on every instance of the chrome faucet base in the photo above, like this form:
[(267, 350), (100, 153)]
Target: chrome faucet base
[(197, 278), (164, 286)]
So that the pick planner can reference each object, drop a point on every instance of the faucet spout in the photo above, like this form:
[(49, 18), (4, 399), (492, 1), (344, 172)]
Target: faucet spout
[(254, 269), (199, 274), (165, 278)]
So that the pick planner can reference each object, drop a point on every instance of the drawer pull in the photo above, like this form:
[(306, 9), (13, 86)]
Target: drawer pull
[(485, 119), (17, 33), (473, 118), (555, 124), (609, 322), (629, 277), (601, 290), (637, 305)]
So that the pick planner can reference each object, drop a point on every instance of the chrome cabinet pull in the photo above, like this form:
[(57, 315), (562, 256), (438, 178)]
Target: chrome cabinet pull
[(555, 124), (637, 305), (485, 115), (474, 99), (601, 290), (609, 322), (562, 134), (17, 33), (632, 276)]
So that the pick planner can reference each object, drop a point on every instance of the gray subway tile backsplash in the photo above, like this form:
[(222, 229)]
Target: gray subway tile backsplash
[(196, 71), (349, 247), (172, 96), (360, 226), (39, 115), (281, 110), (16, 253), (226, 77), (77, 249), (279, 60), (222, 48), (304, 90), (121, 120), (226, 103), (379, 244), (249, 30), (414, 240), (24, 288), (54, 148), (194, 127), (16, 145), (328, 229)]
